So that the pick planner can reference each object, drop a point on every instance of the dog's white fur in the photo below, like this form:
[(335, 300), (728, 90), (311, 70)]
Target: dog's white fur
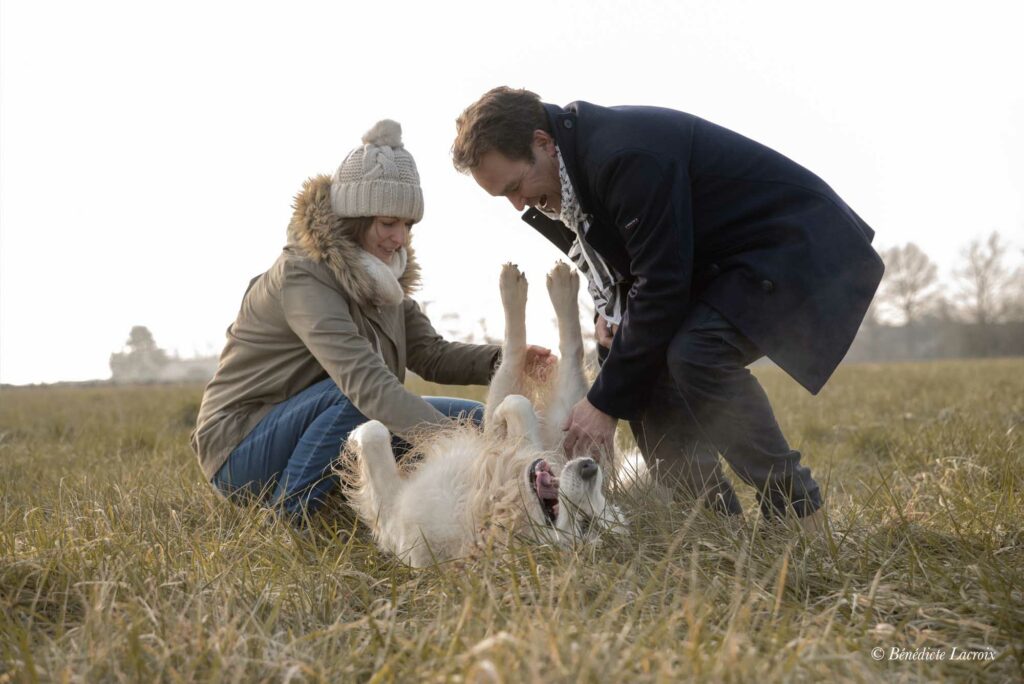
[(469, 488)]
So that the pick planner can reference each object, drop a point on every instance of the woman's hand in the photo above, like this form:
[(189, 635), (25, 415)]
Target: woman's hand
[(539, 362)]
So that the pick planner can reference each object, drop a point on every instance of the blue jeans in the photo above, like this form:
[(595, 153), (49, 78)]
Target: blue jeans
[(286, 459)]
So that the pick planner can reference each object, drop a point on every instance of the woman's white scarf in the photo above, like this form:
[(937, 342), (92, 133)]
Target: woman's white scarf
[(387, 290)]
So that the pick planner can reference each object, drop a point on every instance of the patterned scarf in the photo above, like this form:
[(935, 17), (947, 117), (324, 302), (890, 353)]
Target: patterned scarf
[(605, 285)]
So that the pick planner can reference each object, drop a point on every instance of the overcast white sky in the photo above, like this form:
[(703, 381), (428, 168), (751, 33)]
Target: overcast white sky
[(149, 151)]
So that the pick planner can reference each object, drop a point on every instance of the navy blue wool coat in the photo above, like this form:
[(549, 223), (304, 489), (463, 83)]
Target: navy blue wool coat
[(689, 211)]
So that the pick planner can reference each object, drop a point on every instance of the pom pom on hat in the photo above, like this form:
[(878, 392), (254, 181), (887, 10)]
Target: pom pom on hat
[(385, 133), (378, 178)]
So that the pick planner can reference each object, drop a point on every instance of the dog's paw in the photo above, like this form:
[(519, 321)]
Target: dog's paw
[(515, 417), (563, 285), (514, 406), (632, 472), (513, 287), (614, 520), (369, 434)]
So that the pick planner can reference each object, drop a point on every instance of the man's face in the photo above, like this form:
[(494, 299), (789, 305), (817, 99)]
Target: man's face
[(524, 183)]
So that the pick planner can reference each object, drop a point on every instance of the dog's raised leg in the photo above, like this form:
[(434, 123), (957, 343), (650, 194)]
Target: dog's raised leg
[(509, 376), (570, 382), (515, 419), (378, 482)]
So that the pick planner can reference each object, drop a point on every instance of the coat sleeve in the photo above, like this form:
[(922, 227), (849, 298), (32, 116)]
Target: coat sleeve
[(435, 359), (650, 205), (320, 316)]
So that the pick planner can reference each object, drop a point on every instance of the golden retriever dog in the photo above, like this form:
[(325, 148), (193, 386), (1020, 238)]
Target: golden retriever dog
[(467, 488)]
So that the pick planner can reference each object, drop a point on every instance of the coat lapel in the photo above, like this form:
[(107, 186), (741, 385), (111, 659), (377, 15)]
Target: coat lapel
[(602, 236), (554, 231), (563, 123)]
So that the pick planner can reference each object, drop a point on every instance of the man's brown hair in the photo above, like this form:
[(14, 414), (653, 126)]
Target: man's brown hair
[(504, 120)]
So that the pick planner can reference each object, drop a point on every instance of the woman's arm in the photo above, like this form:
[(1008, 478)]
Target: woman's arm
[(435, 359), (320, 316)]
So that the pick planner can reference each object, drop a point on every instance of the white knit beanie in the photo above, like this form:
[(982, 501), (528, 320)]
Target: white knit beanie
[(379, 178)]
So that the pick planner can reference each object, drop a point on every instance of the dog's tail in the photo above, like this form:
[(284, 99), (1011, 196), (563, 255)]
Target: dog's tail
[(632, 471)]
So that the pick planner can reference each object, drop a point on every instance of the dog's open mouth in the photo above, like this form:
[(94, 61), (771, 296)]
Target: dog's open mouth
[(545, 486)]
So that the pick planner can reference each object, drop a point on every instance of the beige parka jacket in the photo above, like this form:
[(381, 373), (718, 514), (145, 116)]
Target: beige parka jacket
[(317, 313)]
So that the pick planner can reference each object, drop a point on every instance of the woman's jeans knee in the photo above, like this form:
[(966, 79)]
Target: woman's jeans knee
[(286, 460)]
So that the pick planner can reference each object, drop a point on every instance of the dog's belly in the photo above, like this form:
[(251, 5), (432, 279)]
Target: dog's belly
[(431, 521)]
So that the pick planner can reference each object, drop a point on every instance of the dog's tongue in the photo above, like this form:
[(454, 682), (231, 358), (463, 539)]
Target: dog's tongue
[(547, 485)]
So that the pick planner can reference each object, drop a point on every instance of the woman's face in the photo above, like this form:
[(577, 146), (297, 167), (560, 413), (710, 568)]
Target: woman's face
[(385, 236)]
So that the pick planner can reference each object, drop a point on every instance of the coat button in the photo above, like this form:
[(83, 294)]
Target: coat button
[(767, 286), (567, 123), (714, 270)]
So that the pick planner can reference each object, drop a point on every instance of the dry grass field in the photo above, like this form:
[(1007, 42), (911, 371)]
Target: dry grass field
[(117, 563)]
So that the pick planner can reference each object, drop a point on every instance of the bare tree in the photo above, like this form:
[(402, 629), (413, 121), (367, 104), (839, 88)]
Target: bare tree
[(983, 279), (943, 309), (140, 341), (1015, 295), (909, 284)]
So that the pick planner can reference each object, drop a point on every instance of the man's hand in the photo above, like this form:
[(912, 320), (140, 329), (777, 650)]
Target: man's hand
[(605, 332), (539, 362), (588, 431)]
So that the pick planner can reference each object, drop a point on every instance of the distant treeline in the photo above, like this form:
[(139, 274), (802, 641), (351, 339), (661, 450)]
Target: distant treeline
[(976, 311), (935, 339)]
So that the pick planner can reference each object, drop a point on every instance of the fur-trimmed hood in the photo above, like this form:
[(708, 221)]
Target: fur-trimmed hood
[(315, 231)]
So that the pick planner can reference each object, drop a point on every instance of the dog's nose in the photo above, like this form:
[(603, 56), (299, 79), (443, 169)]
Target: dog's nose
[(588, 469)]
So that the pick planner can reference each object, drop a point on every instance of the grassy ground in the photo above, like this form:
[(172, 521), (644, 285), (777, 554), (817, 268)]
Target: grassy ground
[(118, 563)]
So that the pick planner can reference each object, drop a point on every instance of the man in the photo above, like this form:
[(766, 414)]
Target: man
[(704, 251)]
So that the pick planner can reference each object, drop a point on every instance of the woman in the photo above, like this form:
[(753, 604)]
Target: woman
[(323, 338)]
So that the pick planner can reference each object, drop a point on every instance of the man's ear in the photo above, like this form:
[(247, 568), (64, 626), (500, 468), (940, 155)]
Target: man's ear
[(543, 140)]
